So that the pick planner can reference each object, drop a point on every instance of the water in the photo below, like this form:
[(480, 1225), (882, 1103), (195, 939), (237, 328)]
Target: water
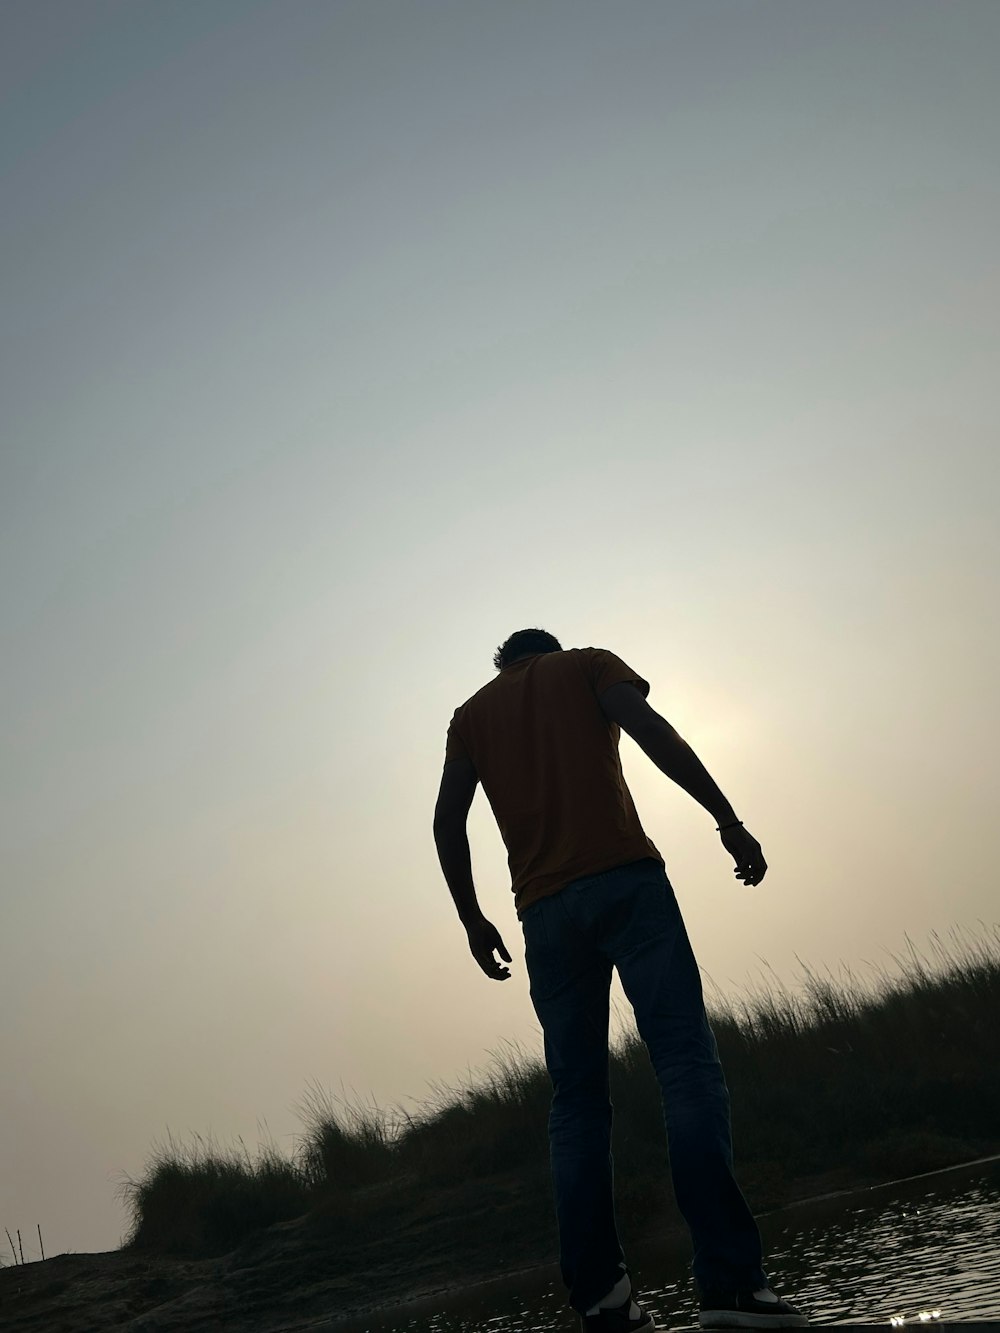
[(925, 1249)]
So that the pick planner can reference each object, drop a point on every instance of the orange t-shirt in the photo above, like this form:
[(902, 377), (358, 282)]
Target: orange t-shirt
[(547, 757)]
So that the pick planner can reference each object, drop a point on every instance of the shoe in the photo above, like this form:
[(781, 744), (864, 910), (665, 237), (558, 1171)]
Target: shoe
[(616, 1319), (743, 1309)]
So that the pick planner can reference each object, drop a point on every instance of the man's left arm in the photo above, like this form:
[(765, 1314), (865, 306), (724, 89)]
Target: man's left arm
[(458, 786)]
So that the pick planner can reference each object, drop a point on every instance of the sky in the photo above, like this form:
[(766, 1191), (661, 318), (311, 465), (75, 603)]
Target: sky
[(342, 339)]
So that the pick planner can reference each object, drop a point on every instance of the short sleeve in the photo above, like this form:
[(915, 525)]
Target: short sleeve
[(455, 747), (604, 669)]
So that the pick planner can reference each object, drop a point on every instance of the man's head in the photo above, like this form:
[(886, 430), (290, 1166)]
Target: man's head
[(522, 643)]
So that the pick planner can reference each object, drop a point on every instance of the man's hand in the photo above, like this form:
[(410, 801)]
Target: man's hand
[(745, 850), (483, 939)]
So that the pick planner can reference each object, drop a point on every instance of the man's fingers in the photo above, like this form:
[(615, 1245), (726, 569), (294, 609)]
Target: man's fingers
[(746, 852), (501, 948), (490, 965), (751, 872), (484, 939)]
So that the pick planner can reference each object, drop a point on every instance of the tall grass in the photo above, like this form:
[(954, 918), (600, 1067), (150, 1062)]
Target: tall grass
[(894, 1073), (346, 1144), (203, 1200), (491, 1125)]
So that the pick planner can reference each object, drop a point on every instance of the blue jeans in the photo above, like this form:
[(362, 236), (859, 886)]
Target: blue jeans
[(628, 918)]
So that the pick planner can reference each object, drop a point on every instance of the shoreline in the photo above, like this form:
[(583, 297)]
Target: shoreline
[(428, 1302), (318, 1275)]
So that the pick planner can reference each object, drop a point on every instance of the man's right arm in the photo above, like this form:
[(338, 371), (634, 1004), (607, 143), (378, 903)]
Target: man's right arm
[(623, 703)]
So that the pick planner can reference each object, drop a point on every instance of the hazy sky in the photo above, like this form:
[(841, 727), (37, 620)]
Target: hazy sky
[(339, 341)]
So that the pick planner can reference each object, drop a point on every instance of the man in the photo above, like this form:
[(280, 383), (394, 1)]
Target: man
[(591, 893)]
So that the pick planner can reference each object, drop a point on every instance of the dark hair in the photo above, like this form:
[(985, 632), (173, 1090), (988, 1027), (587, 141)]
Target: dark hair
[(525, 641)]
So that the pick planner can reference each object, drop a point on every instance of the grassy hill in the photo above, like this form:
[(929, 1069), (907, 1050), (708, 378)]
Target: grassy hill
[(839, 1082), (842, 1079)]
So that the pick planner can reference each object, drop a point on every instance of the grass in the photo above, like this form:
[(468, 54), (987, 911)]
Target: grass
[(202, 1200), (873, 1078)]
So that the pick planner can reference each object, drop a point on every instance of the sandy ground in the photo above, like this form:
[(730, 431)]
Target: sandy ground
[(302, 1274)]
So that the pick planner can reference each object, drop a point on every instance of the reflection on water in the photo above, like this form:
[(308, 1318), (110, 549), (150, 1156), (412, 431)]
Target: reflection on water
[(899, 1255), (917, 1252)]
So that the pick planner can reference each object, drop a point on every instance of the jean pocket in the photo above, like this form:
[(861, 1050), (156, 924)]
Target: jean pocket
[(533, 924)]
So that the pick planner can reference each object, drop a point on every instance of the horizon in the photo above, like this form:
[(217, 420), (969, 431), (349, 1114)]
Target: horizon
[(343, 341)]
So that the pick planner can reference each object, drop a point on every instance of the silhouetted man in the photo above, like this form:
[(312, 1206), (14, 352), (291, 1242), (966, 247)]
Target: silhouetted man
[(592, 893)]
